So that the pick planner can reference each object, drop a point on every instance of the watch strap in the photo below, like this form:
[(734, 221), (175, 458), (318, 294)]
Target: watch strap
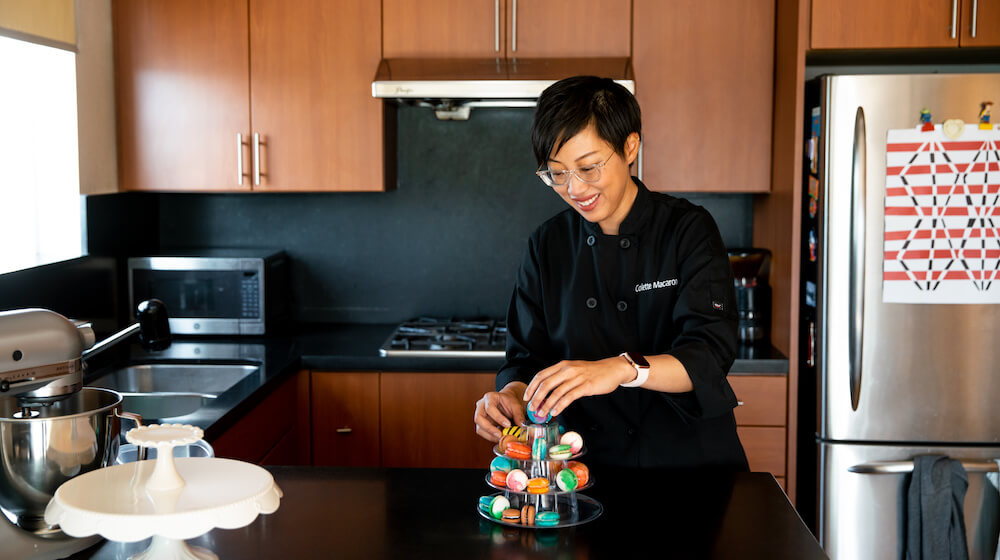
[(641, 370)]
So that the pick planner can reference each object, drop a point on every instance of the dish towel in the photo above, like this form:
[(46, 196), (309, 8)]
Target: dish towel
[(935, 523), (994, 479)]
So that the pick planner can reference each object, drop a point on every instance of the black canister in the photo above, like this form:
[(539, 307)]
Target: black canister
[(753, 293)]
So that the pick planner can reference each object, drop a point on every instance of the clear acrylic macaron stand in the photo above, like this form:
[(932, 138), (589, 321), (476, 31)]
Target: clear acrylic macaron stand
[(167, 499), (573, 508)]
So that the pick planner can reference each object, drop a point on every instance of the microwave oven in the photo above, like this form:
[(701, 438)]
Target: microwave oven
[(216, 291)]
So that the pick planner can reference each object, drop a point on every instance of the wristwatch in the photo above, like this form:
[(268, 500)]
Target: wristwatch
[(641, 366)]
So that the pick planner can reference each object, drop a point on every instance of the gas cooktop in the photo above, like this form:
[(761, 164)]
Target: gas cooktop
[(431, 337)]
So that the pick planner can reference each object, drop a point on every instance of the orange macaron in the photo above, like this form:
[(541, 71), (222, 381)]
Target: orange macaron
[(538, 485), (505, 440), (518, 450), (581, 471), (498, 478)]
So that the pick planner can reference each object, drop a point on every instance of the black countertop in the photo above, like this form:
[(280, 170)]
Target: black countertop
[(355, 348), (431, 513), (327, 348)]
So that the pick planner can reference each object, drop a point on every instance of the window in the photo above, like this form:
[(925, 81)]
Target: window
[(40, 203)]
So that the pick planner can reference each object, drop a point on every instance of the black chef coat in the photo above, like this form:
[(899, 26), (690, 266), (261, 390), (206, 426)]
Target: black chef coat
[(662, 285)]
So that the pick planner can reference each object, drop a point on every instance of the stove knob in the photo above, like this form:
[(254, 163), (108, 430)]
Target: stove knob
[(4, 386)]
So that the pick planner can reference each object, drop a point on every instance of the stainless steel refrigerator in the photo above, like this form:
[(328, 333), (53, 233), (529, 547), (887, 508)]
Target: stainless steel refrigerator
[(900, 321)]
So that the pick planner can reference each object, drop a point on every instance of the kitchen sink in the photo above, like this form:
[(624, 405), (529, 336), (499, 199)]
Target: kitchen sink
[(158, 391), (206, 379)]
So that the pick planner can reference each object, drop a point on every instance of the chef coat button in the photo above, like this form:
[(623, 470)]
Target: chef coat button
[(622, 306), (591, 240), (591, 303), (629, 431), (624, 243)]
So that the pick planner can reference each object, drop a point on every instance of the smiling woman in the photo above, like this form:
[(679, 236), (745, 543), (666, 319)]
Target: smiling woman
[(39, 165)]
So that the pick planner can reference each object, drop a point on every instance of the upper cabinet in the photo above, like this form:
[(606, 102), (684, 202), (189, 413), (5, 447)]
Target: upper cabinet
[(238, 95), (704, 73), (876, 24), (506, 28)]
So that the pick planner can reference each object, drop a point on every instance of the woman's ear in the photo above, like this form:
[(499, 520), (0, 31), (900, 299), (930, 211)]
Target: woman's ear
[(631, 147)]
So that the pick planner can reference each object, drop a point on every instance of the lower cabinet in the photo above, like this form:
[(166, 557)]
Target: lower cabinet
[(275, 431), (427, 420), (761, 419), (345, 419)]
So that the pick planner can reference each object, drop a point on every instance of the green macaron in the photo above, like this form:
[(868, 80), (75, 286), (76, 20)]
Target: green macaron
[(547, 519)]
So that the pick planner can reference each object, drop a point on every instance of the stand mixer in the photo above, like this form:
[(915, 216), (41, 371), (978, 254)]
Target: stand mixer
[(51, 427)]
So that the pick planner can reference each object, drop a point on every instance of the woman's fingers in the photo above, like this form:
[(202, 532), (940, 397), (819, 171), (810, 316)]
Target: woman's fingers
[(562, 395), (495, 411)]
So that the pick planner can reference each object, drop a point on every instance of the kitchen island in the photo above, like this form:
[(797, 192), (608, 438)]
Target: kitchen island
[(347, 513)]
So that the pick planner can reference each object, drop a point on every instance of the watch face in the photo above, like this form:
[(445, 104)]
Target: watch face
[(638, 359)]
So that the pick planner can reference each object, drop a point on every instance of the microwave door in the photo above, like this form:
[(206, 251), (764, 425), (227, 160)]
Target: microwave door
[(198, 301)]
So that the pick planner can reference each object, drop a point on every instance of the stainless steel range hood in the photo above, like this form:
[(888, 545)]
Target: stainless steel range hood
[(454, 86)]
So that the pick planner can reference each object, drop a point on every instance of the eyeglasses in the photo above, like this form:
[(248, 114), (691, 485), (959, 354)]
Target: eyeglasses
[(560, 177)]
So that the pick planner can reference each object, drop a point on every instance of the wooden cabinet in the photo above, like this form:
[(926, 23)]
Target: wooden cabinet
[(274, 432), (292, 79), (878, 24), (182, 91), (505, 28), (704, 79), (427, 419), (345, 419), (761, 421)]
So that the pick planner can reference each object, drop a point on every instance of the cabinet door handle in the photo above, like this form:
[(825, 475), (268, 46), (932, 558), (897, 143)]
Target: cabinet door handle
[(344, 430), (954, 18), (975, 10), (513, 28), (239, 159), (496, 25), (256, 159)]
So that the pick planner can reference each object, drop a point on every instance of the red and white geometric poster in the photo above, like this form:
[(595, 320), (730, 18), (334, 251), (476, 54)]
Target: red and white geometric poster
[(942, 217)]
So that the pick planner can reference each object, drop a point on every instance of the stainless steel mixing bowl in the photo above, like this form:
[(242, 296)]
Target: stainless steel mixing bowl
[(44, 446)]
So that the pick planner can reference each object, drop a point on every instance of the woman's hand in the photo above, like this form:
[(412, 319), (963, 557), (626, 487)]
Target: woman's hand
[(500, 409), (555, 387)]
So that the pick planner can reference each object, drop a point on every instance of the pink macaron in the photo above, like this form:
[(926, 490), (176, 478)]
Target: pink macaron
[(517, 480), (573, 440)]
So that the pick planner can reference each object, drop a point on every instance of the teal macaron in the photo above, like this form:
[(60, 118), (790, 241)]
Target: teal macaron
[(484, 503), (502, 464), (538, 449), (547, 519), (535, 418)]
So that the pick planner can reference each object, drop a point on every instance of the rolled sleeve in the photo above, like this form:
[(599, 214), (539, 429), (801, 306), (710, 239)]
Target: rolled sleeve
[(706, 316)]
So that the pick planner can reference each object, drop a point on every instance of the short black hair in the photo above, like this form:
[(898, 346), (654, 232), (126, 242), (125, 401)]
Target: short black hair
[(568, 106)]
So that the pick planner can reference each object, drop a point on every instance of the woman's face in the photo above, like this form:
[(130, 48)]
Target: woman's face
[(607, 200)]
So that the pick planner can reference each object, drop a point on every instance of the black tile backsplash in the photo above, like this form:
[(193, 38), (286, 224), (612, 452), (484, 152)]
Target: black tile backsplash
[(446, 242)]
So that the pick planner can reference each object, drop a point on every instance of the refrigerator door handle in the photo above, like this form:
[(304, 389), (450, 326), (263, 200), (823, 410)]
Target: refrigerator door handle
[(856, 302), (899, 467)]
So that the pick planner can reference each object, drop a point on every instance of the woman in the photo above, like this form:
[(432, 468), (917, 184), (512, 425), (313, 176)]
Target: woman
[(622, 279)]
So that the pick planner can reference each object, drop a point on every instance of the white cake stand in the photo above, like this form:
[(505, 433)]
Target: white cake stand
[(167, 499)]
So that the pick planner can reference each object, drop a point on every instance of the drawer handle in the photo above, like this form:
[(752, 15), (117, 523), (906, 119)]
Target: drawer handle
[(739, 403), (344, 430)]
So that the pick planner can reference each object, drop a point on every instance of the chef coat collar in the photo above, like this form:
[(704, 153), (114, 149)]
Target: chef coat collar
[(637, 215)]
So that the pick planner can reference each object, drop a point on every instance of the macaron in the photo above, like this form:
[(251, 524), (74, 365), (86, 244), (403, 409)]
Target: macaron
[(535, 418), (497, 506), (502, 464), (517, 480), (516, 431), (573, 440), (518, 450), (560, 452), (504, 442), (485, 502), (581, 471), (511, 515), (547, 519), (566, 480), (498, 478), (538, 485), (528, 515), (538, 448)]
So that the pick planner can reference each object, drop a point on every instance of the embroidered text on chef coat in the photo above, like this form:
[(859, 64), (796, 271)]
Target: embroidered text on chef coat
[(646, 286)]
